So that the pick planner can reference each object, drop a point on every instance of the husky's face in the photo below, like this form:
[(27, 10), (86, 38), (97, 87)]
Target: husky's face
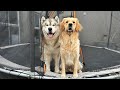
[(50, 27)]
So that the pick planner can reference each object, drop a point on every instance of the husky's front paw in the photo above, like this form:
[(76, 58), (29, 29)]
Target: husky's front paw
[(57, 69), (75, 75)]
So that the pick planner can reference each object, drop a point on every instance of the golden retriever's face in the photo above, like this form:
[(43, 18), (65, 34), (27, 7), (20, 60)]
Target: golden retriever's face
[(70, 24)]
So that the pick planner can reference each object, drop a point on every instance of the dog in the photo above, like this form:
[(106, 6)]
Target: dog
[(70, 46), (51, 32)]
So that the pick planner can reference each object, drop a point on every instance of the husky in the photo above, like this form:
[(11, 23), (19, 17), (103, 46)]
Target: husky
[(50, 40)]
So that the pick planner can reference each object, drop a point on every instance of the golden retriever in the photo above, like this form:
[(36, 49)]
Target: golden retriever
[(70, 46)]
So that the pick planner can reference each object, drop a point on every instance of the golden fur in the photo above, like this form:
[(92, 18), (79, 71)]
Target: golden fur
[(70, 47)]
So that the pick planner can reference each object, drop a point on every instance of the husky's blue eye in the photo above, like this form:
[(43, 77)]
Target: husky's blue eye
[(54, 24), (46, 24)]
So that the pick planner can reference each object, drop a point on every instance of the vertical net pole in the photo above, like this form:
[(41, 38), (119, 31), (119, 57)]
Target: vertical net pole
[(42, 63), (32, 45), (74, 14), (81, 52), (110, 29)]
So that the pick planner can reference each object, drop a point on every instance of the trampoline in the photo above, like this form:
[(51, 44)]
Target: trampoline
[(98, 61), (22, 60)]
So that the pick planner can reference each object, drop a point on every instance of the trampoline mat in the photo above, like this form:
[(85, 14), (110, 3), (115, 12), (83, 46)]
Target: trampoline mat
[(95, 58), (20, 55), (98, 58)]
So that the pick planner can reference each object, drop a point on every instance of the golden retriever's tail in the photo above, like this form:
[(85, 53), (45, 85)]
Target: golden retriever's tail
[(81, 54)]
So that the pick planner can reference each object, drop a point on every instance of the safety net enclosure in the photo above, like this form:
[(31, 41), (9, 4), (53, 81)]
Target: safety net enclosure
[(21, 48)]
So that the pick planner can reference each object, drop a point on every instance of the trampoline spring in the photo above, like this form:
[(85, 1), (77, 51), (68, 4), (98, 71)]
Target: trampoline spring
[(91, 77), (50, 76), (117, 72), (98, 76), (104, 75), (6, 68), (83, 77)]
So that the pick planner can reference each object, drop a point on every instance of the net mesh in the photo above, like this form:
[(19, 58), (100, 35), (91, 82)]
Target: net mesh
[(52, 13)]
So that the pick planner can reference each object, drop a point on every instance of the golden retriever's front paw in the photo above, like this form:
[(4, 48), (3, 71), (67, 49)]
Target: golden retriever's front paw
[(75, 75), (63, 76), (79, 71)]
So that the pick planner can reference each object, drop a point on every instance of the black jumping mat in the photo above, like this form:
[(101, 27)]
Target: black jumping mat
[(98, 58), (95, 58)]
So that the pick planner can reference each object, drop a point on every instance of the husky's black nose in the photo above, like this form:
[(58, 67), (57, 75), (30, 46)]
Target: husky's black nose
[(50, 29)]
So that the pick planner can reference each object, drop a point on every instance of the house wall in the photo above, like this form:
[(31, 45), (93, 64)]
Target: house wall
[(96, 27), (115, 31)]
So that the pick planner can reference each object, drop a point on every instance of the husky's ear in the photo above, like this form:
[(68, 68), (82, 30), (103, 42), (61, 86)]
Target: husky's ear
[(57, 19), (42, 19)]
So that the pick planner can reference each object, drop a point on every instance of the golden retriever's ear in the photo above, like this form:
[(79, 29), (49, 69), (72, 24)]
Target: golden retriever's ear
[(78, 26), (62, 25)]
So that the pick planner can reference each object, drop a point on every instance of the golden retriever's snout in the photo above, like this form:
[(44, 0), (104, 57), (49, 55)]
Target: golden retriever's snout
[(70, 27)]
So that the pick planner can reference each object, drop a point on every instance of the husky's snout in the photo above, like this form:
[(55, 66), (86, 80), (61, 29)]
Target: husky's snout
[(50, 30), (50, 33), (50, 27)]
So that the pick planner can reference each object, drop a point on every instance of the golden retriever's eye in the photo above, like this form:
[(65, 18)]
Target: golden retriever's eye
[(66, 21), (73, 22)]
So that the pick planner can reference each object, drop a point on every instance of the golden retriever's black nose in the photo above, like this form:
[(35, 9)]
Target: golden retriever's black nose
[(70, 24), (50, 29)]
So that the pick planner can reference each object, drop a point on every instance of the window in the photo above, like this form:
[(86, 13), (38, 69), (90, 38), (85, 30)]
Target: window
[(9, 28), (37, 26)]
